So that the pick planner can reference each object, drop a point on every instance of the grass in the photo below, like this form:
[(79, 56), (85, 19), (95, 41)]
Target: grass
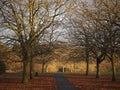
[(90, 73), (110, 73), (118, 73)]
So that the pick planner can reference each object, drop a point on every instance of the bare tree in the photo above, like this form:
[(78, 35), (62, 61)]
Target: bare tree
[(101, 23), (110, 15), (26, 21), (79, 29)]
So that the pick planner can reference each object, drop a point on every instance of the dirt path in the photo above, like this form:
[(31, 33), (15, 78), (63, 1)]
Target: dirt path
[(63, 84)]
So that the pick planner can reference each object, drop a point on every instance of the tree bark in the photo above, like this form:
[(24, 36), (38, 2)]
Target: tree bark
[(26, 66), (112, 52), (87, 63), (46, 68), (26, 72), (98, 70), (74, 67), (31, 69), (87, 67), (87, 54), (113, 68), (63, 69), (43, 64), (113, 72)]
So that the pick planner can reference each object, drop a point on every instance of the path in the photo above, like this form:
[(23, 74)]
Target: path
[(63, 84)]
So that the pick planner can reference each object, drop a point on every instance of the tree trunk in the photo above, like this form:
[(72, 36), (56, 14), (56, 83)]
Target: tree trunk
[(46, 68), (26, 72), (87, 64), (113, 72), (63, 69), (43, 64), (98, 70), (26, 66), (112, 52), (31, 69), (113, 68), (87, 54), (74, 67), (87, 68)]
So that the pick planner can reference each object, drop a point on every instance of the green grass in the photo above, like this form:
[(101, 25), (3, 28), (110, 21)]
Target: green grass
[(118, 73), (90, 73), (110, 73)]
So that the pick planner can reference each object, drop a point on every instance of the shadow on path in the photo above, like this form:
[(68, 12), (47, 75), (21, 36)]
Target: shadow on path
[(63, 84)]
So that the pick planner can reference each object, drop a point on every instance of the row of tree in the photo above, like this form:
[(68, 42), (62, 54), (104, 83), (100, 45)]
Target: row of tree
[(30, 27), (95, 27)]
